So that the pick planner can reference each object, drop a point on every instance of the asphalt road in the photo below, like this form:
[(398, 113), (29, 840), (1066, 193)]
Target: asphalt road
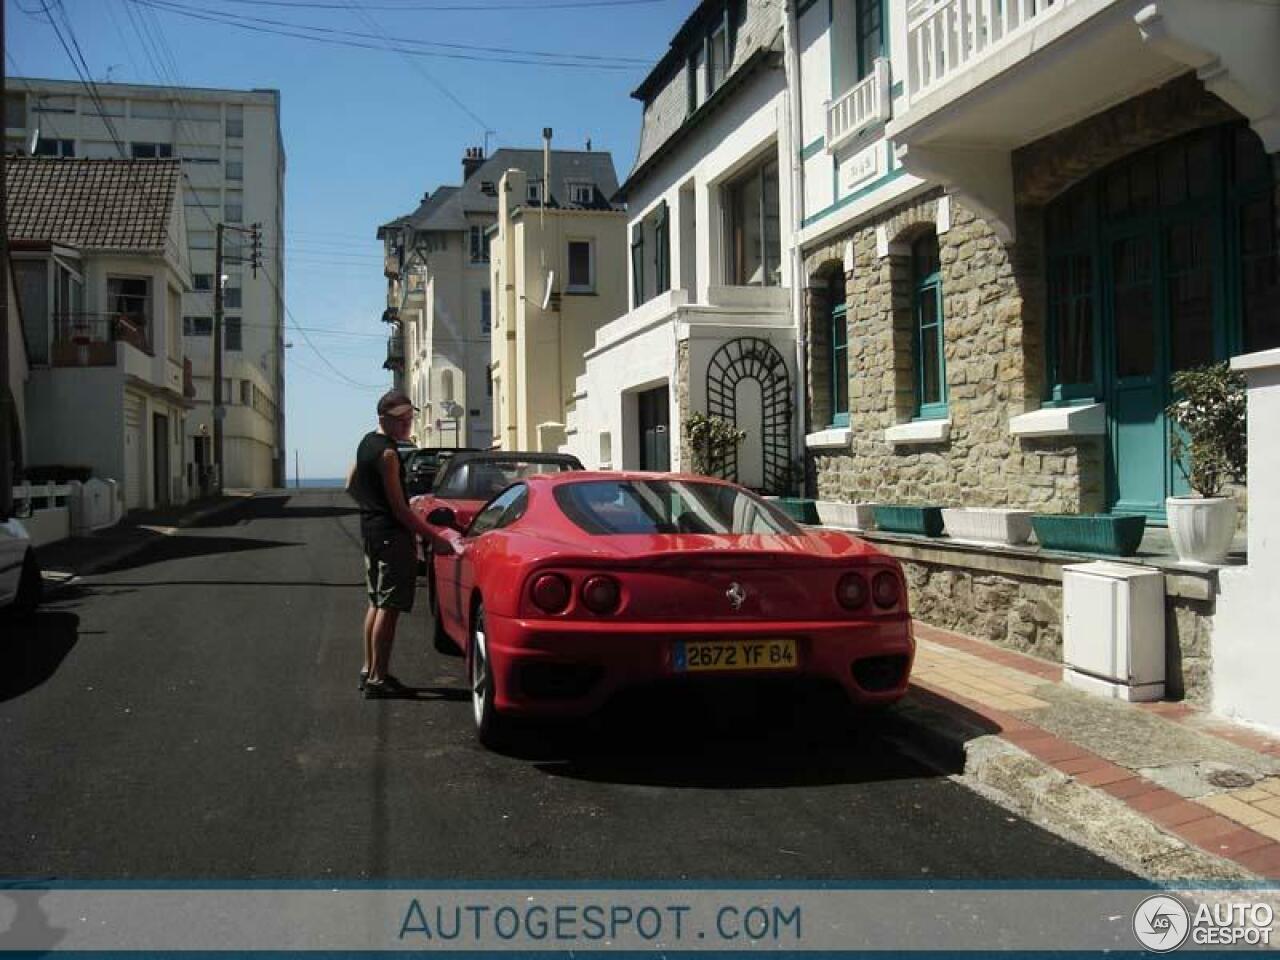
[(193, 714)]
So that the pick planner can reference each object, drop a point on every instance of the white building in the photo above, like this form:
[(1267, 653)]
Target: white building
[(233, 168), (100, 262), (439, 300), (711, 328)]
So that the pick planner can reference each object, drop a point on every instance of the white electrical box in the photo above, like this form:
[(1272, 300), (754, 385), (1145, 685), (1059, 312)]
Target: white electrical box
[(1113, 638)]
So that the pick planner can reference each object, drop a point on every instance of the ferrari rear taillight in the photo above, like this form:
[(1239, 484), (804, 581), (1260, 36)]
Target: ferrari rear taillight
[(885, 589), (601, 595), (551, 592), (851, 591)]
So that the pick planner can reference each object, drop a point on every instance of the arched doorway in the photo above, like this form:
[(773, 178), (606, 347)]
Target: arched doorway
[(1161, 262), (748, 384)]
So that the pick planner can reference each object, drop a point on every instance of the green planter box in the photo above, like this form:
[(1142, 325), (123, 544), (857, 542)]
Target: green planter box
[(1116, 535), (926, 521), (798, 509)]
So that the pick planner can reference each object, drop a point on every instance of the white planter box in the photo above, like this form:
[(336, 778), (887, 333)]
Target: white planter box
[(988, 524), (851, 516)]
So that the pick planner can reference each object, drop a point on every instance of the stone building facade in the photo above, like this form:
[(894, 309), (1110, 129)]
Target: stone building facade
[(996, 334)]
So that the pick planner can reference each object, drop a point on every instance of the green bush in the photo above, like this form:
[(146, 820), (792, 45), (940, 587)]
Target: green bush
[(710, 440), (1208, 420)]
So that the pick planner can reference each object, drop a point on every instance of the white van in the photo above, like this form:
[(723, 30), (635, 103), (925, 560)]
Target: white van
[(20, 581)]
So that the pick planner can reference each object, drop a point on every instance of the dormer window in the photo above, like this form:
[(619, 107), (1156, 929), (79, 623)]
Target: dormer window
[(535, 191), (581, 193), (488, 188)]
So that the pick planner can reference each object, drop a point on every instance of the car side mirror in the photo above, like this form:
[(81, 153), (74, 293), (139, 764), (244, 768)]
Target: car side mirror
[(443, 517)]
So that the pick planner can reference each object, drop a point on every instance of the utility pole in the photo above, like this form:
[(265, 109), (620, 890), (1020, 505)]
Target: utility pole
[(219, 259), (218, 410), (6, 388)]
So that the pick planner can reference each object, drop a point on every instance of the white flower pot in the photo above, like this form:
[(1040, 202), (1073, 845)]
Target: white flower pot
[(1201, 528), (851, 516), (988, 524)]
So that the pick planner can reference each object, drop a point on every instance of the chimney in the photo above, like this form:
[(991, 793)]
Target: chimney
[(471, 162)]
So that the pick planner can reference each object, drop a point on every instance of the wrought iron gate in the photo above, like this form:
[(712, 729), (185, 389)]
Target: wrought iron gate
[(751, 358)]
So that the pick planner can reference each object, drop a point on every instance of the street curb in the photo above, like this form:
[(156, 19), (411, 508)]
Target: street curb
[(1023, 784), (127, 551)]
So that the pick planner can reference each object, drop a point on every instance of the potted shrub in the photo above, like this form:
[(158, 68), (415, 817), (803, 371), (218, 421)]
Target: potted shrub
[(1208, 439), (710, 440)]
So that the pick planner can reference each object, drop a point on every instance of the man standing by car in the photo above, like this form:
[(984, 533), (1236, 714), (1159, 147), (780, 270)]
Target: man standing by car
[(387, 526)]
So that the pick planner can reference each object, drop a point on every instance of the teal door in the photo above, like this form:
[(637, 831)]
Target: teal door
[(1163, 300)]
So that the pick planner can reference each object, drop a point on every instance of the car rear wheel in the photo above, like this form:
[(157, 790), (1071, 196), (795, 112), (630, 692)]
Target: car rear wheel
[(30, 587), (441, 642), (491, 727)]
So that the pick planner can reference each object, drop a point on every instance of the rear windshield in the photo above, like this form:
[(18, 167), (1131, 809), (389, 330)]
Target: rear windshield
[(485, 479), (667, 506)]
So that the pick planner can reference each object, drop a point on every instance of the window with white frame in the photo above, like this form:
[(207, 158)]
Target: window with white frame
[(151, 151), (235, 120), (235, 163), (581, 194), (130, 298), (53, 147), (479, 244), (582, 266), (753, 228), (533, 192)]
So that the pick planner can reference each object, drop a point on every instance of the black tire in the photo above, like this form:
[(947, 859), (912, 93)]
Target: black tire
[(441, 642), (492, 729), (30, 587)]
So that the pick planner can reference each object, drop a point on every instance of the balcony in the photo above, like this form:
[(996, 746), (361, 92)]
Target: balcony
[(89, 339), (986, 77), (395, 352), (866, 105)]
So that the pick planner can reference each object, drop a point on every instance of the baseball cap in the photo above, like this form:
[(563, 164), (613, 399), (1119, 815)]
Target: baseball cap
[(395, 403)]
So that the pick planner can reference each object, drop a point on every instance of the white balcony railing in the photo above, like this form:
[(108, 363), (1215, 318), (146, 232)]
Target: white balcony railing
[(945, 37), (865, 105)]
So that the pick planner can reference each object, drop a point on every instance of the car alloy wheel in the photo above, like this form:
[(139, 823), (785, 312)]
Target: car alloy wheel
[(489, 726)]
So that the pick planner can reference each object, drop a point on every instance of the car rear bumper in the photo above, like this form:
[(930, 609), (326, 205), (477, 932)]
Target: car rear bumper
[(568, 668)]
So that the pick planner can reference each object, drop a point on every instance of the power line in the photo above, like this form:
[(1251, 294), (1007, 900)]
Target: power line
[(390, 46), (175, 6), (472, 8)]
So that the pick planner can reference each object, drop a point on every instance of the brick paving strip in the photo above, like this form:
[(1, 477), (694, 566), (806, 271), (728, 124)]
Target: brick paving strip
[(1207, 792)]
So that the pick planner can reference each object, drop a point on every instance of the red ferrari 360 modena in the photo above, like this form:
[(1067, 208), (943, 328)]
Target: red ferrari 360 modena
[(568, 587)]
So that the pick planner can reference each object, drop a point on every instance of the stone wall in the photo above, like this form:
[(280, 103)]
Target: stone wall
[(993, 358), (1025, 614)]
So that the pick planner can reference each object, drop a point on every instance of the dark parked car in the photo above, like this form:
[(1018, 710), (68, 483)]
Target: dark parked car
[(422, 466)]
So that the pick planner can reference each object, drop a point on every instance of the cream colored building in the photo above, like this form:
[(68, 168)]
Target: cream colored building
[(233, 166), (557, 279), (437, 264), (100, 263)]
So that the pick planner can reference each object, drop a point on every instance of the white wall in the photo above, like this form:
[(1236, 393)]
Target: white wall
[(1246, 644)]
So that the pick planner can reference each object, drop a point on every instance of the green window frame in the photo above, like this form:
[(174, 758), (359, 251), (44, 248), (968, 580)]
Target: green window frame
[(868, 34), (840, 363), (637, 264), (929, 364), (662, 248)]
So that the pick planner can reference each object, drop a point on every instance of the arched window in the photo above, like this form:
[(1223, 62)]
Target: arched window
[(928, 361), (839, 340)]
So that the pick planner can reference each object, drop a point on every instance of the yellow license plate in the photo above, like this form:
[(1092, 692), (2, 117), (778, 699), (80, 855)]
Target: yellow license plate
[(712, 655)]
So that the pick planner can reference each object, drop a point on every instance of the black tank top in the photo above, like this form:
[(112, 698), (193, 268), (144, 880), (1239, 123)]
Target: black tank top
[(376, 518)]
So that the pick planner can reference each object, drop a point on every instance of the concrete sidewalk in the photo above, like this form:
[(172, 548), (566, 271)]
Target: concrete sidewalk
[(1164, 789), (81, 556)]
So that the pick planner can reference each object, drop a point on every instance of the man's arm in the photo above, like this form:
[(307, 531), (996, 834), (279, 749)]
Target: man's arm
[(351, 480), (395, 496)]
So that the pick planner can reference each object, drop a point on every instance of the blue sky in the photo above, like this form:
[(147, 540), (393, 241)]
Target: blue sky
[(367, 131)]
